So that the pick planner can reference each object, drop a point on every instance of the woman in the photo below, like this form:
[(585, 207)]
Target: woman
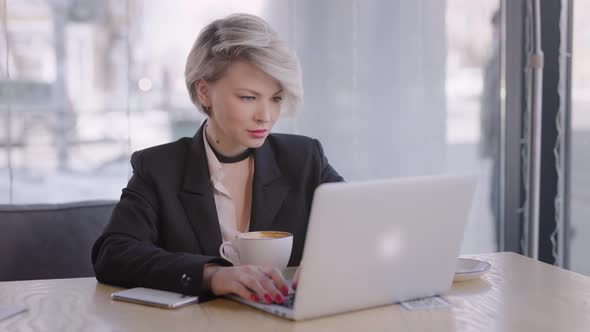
[(233, 176)]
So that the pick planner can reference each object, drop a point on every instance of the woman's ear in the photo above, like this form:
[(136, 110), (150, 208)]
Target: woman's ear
[(202, 88)]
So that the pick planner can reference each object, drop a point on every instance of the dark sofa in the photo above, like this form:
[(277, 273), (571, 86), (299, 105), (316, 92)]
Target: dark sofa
[(48, 241)]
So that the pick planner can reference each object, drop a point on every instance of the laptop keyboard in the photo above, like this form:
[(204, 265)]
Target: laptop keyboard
[(289, 301)]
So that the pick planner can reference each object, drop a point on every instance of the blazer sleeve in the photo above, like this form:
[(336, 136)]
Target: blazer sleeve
[(327, 172), (127, 253)]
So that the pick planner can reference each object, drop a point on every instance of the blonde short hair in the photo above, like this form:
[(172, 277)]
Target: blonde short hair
[(247, 37)]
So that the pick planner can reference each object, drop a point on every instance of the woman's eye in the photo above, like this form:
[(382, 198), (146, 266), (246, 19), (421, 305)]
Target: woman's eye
[(277, 99), (247, 98)]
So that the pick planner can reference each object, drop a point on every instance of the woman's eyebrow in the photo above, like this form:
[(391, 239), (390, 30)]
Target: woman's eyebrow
[(258, 93)]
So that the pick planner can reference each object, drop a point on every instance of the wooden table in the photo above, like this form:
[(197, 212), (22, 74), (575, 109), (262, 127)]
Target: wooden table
[(518, 294)]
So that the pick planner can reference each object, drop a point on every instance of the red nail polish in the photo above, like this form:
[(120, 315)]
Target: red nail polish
[(268, 298), (279, 299), (285, 290), (254, 298)]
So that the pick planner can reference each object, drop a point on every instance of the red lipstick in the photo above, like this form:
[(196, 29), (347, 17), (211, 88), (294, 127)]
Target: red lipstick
[(258, 133)]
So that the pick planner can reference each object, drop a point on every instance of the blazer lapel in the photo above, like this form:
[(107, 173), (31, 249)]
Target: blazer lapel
[(269, 189), (197, 197)]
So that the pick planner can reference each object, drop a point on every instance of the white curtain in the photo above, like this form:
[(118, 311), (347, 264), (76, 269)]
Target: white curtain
[(374, 77)]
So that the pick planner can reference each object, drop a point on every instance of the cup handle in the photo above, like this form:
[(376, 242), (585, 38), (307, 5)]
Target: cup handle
[(226, 257)]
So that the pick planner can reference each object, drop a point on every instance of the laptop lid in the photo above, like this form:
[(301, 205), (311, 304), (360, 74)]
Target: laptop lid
[(380, 242)]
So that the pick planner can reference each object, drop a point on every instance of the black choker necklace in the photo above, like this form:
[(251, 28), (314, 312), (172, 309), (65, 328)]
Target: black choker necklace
[(231, 160)]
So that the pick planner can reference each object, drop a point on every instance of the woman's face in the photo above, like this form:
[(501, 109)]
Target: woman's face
[(244, 105)]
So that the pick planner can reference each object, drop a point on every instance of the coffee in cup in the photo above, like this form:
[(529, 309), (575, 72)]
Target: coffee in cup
[(264, 248)]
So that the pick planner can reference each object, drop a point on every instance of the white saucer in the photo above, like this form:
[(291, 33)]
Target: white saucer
[(468, 269)]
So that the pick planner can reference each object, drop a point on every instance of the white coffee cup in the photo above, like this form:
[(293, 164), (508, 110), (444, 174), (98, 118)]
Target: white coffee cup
[(264, 248)]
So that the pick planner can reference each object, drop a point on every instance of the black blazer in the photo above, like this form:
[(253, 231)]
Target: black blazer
[(165, 226)]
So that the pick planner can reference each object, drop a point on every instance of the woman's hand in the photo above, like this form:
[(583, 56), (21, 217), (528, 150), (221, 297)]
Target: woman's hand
[(254, 283)]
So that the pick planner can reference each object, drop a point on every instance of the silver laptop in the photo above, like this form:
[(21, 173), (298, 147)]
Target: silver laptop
[(376, 243)]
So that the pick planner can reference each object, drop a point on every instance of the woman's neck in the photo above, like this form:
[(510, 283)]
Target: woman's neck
[(220, 145)]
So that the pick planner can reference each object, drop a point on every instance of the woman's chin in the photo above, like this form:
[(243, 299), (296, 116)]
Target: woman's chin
[(255, 143)]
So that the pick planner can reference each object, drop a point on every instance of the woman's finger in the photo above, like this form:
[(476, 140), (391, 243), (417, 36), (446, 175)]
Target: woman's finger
[(271, 288), (277, 277), (253, 282), (243, 292), (268, 284)]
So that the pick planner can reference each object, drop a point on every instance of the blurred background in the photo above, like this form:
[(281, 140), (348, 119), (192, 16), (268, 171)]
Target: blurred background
[(392, 89)]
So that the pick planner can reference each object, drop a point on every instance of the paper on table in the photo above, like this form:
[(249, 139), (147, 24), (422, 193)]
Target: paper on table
[(11, 310)]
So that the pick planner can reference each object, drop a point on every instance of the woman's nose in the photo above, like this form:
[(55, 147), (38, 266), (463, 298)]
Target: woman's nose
[(263, 113)]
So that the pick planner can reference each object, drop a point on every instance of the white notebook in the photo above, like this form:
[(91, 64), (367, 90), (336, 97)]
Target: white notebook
[(154, 297)]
